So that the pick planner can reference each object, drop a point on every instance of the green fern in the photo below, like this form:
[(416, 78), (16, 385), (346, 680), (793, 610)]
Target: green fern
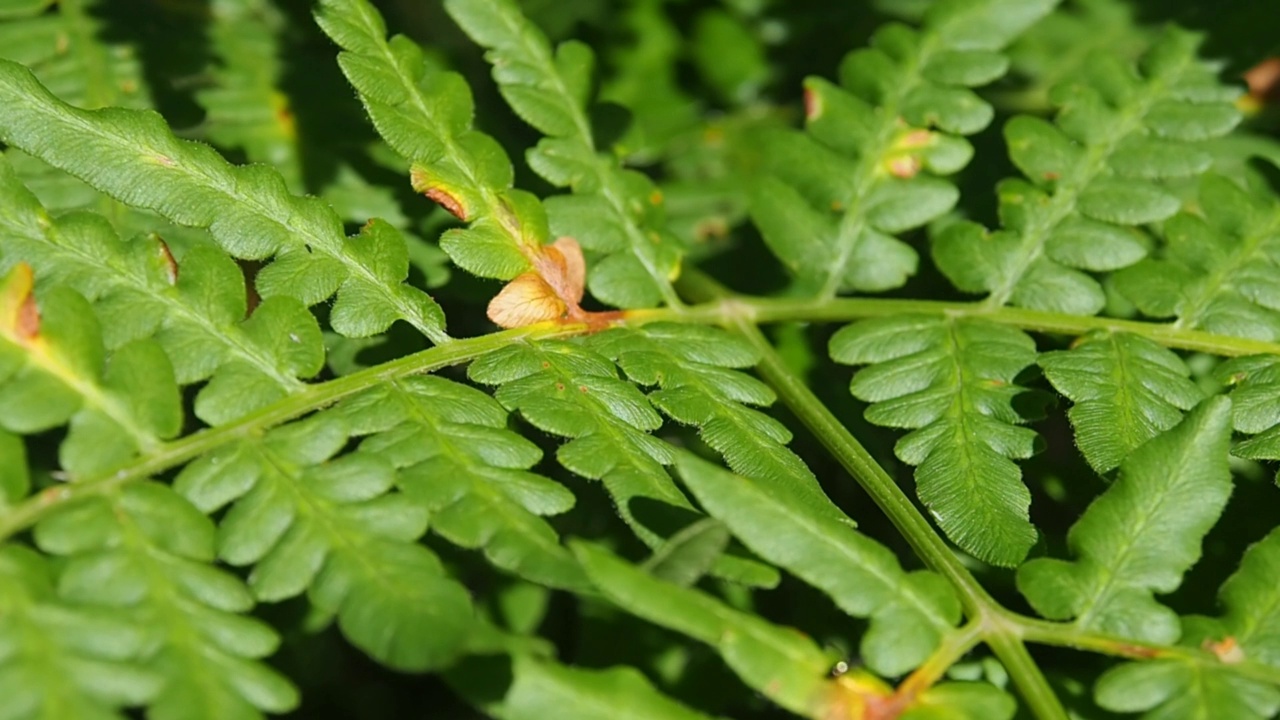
[(952, 383), (227, 425), (1092, 176)]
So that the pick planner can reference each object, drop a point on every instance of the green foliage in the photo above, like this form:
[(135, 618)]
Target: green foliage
[(613, 212), (244, 470), (835, 196), (952, 383), (1217, 270), (1125, 389), (1091, 177), (1141, 535)]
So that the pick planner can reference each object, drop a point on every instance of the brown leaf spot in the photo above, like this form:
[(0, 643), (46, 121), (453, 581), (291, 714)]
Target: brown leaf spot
[(19, 316), (812, 105), (423, 182), (166, 261), (1227, 650), (904, 166)]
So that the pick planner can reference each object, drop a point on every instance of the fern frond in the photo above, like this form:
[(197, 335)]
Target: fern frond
[(1059, 46), (61, 660), (425, 115), (67, 52), (694, 368), (52, 372), (613, 212), (783, 665), (244, 108), (909, 612), (1172, 690), (835, 195), (645, 81), (469, 471), (543, 689), (1141, 535), (307, 521), (143, 554), (571, 391), (1126, 390), (1254, 382), (1249, 629), (1217, 271), (1091, 177), (950, 380), (136, 159), (194, 308)]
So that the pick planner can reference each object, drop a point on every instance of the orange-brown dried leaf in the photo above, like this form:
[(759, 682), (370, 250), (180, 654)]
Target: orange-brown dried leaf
[(526, 300)]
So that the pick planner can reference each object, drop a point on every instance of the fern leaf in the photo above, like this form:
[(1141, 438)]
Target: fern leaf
[(61, 660), (66, 50), (1255, 380), (244, 109), (1218, 269), (134, 157), (143, 553), (1171, 690), (308, 522), (962, 700), (52, 372), (1090, 177), (543, 689), (470, 472), (835, 196), (1126, 390), (613, 212), (694, 367), (425, 114), (951, 381), (194, 308), (689, 554), (782, 664), (571, 391), (1142, 534), (909, 612)]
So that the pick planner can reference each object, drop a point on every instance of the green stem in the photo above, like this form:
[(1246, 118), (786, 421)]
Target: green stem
[(1068, 635), (1002, 636), (313, 397), (771, 310)]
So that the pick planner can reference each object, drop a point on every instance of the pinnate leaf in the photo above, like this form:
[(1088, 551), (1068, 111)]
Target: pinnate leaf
[(1218, 269), (695, 370), (951, 382), (778, 662), (551, 91), (909, 612), (144, 553), (247, 210), (544, 689), (53, 371), (461, 462), (1141, 535), (1091, 176), (1126, 390), (61, 660), (308, 521), (832, 198)]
